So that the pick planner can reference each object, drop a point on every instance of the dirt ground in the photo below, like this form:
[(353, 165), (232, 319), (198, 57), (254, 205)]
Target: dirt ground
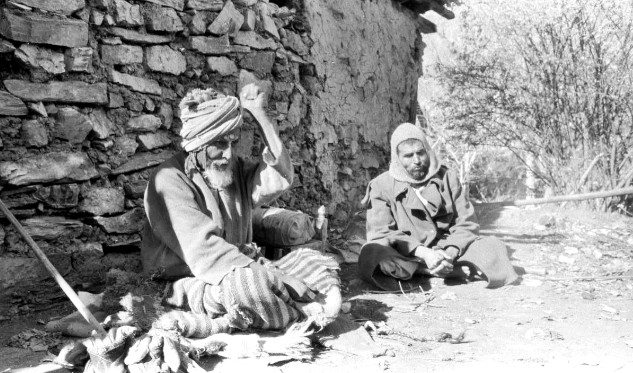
[(572, 310)]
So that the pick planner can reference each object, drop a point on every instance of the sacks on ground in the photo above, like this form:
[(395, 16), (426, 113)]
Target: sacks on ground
[(279, 227)]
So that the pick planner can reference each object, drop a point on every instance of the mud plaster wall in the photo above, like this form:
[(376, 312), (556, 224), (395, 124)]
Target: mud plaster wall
[(367, 57), (89, 94)]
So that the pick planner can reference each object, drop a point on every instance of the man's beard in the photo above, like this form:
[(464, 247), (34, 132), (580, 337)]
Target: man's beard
[(219, 174)]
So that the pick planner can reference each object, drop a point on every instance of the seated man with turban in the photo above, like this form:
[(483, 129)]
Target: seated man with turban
[(199, 233), (419, 220)]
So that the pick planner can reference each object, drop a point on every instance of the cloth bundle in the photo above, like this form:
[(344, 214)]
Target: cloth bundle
[(278, 227)]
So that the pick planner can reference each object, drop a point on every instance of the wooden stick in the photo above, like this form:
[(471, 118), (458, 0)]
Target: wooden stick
[(573, 197), (70, 293)]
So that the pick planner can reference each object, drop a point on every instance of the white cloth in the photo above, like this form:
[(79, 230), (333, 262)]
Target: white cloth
[(208, 121)]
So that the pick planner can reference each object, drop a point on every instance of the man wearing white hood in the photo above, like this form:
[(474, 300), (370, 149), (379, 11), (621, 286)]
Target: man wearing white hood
[(420, 221)]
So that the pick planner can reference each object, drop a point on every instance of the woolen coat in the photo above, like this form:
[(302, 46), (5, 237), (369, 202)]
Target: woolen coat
[(398, 218), (194, 230)]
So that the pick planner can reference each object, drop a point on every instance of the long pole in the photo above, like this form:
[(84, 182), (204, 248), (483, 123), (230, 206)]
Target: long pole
[(70, 293), (572, 197)]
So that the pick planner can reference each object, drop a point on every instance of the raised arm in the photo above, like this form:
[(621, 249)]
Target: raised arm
[(275, 174)]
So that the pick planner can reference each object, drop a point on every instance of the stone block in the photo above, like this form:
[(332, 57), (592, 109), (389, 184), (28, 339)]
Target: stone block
[(100, 4), (261, 62), (130, 222), (135, 83), (228, 21), (213, 5), (41, 58), (150, 141), (62, 196), (78, 59), (294, 42), (126, 146), (11, 105), (139, 37), (109, 20), (102, 201), (198, 25), (66, 7), (245, 2), (149, 105), (144, 123), (68, 91), (72, 126), (102, 126), (47, 168), (41, 29), (161, 19), (126, 14), (166, 114), (250, 19), (18, 271), (164, 59), (254, 40), (121, 54), (267, 22), (112, 40), (97, 17), (138, 162), (50, 228), (295, 112), (116, 100), (210, 44), (34, 133), (51, 109), (103, 145), (176, 4), (222, 65), (6, 46), (135, 189), (38, 108)]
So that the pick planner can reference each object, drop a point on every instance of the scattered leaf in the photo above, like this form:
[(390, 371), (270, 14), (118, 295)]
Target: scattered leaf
[(588, 296), (609, 309), (565, 259)]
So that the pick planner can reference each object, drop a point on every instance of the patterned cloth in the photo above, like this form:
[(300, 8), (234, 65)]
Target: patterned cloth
[(247, 297)]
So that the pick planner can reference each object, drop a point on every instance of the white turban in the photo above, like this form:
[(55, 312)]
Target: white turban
[(209, 120)]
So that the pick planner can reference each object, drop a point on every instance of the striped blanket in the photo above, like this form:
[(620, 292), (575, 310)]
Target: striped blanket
[(247, 298)]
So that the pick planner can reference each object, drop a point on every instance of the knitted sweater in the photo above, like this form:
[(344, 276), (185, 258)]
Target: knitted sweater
[(193, 230)]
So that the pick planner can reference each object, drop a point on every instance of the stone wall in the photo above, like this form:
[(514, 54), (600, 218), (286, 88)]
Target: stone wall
[(89, 93)]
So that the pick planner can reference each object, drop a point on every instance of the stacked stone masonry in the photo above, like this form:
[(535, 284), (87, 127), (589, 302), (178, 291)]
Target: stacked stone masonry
[(89, 93)]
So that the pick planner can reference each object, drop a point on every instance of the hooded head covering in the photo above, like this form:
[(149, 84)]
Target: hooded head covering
[(207, 115), (404, 132)]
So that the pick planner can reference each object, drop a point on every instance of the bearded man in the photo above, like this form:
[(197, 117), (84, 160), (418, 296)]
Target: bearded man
[(419, 220), (199, 233)]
